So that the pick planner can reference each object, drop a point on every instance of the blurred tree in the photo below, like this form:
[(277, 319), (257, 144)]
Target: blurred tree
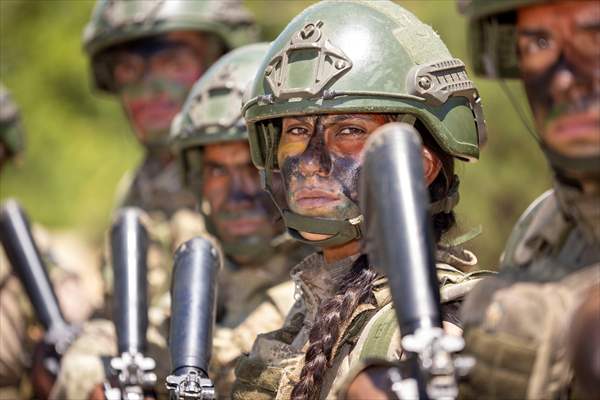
[(79, 144)]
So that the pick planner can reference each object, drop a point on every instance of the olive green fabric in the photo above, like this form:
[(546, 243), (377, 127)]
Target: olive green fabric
[(517, 329), (492, 35), (12, 136), (115, 22)]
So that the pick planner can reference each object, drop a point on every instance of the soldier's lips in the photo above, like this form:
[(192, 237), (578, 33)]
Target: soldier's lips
[(583, 126), (156, 113), (243, 226), (314, 198)]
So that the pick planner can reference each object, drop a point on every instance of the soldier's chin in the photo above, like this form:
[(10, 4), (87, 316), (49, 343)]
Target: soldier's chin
[(314, 237)]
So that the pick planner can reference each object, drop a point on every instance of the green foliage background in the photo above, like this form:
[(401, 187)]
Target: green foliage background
[(79, 143)]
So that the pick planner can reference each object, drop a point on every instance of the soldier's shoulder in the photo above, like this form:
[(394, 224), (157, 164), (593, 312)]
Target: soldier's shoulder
[(282, 295), (542, 216)]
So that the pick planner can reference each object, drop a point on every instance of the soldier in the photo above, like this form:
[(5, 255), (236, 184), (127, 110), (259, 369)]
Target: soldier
[(73, 269), (518, 325), (320, 92), (211, 140), (149, 54)]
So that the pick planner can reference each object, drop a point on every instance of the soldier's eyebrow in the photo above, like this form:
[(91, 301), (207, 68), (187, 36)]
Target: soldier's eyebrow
[(534, 32), (342, 117), (302, 118)]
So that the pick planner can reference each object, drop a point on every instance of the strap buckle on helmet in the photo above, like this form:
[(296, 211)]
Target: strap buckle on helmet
[(438, 81)]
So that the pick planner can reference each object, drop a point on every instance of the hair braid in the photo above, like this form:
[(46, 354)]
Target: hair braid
[(354, 289)]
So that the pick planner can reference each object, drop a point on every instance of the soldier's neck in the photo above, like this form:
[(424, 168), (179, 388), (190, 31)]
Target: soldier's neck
[(162, 155), (337, 253)]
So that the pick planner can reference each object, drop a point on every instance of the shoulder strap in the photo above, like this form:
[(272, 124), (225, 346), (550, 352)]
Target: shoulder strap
[(379, 337)]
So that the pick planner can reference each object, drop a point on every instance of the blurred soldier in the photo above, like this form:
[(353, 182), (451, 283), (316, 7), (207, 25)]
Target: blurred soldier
[(73, 270), (517, 324), (321, 91), (212, 142), (149, 54)]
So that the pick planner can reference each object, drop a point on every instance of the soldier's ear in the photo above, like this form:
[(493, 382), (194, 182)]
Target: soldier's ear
[(431, 164)]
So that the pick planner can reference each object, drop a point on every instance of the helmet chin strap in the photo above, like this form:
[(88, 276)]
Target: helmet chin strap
[(340, 231)]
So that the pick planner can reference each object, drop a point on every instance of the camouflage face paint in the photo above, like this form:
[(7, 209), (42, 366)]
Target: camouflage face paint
[(320, 163), (151, 105), (559, 58)]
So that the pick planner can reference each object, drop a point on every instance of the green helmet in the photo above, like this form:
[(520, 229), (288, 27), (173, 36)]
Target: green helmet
[(12, 136), (376, 57), (119, 21), (211, 114), (492, 35)]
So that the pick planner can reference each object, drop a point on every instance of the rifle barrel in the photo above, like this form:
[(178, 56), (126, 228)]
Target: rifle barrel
[(395, 203), (28, 265)]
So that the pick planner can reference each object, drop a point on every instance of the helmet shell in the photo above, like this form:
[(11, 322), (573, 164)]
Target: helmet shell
[(212, 112), (116, 22), (372, 57), (12, 135), (492, 34)]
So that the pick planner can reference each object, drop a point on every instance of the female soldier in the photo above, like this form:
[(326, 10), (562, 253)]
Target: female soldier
[(336, 73)]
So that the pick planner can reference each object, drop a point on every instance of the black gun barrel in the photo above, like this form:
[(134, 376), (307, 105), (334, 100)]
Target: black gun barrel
[(395, 203), (193, 296), (27, 263), (129, 251)]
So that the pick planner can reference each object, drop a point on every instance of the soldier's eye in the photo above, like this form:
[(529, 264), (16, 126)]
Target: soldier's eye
[(351, 131), (216, 170), (297, 131)]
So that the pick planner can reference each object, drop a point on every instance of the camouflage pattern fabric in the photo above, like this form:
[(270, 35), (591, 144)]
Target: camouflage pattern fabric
[(75, 274), (154, 187), (516, 324), (270, 370), (251, 297)]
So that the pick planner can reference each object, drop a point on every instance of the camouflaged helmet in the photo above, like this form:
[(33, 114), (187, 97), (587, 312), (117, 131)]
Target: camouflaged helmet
[(212, 112), (356, 57), (12, 136), (492, 35), (118, 21)]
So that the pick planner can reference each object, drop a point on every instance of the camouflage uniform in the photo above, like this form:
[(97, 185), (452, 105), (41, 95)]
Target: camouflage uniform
[(517, 324), (73, 270), (273, 366), (250, 299)]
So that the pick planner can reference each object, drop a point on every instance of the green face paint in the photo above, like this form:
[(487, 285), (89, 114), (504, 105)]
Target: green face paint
[(151, 105)]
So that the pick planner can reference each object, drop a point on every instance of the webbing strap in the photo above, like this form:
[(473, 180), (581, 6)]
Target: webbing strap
[(380, 335)]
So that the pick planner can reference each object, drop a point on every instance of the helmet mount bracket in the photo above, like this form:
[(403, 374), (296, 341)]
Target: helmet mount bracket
[(328, 63)]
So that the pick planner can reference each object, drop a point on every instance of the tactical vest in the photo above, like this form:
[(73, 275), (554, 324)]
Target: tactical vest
[(372, 331), (516, 323)]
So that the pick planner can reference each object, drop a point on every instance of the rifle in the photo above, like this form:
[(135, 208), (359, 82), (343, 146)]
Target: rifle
[(394, 200), (27, 263), (193, 294), (132, 375)]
